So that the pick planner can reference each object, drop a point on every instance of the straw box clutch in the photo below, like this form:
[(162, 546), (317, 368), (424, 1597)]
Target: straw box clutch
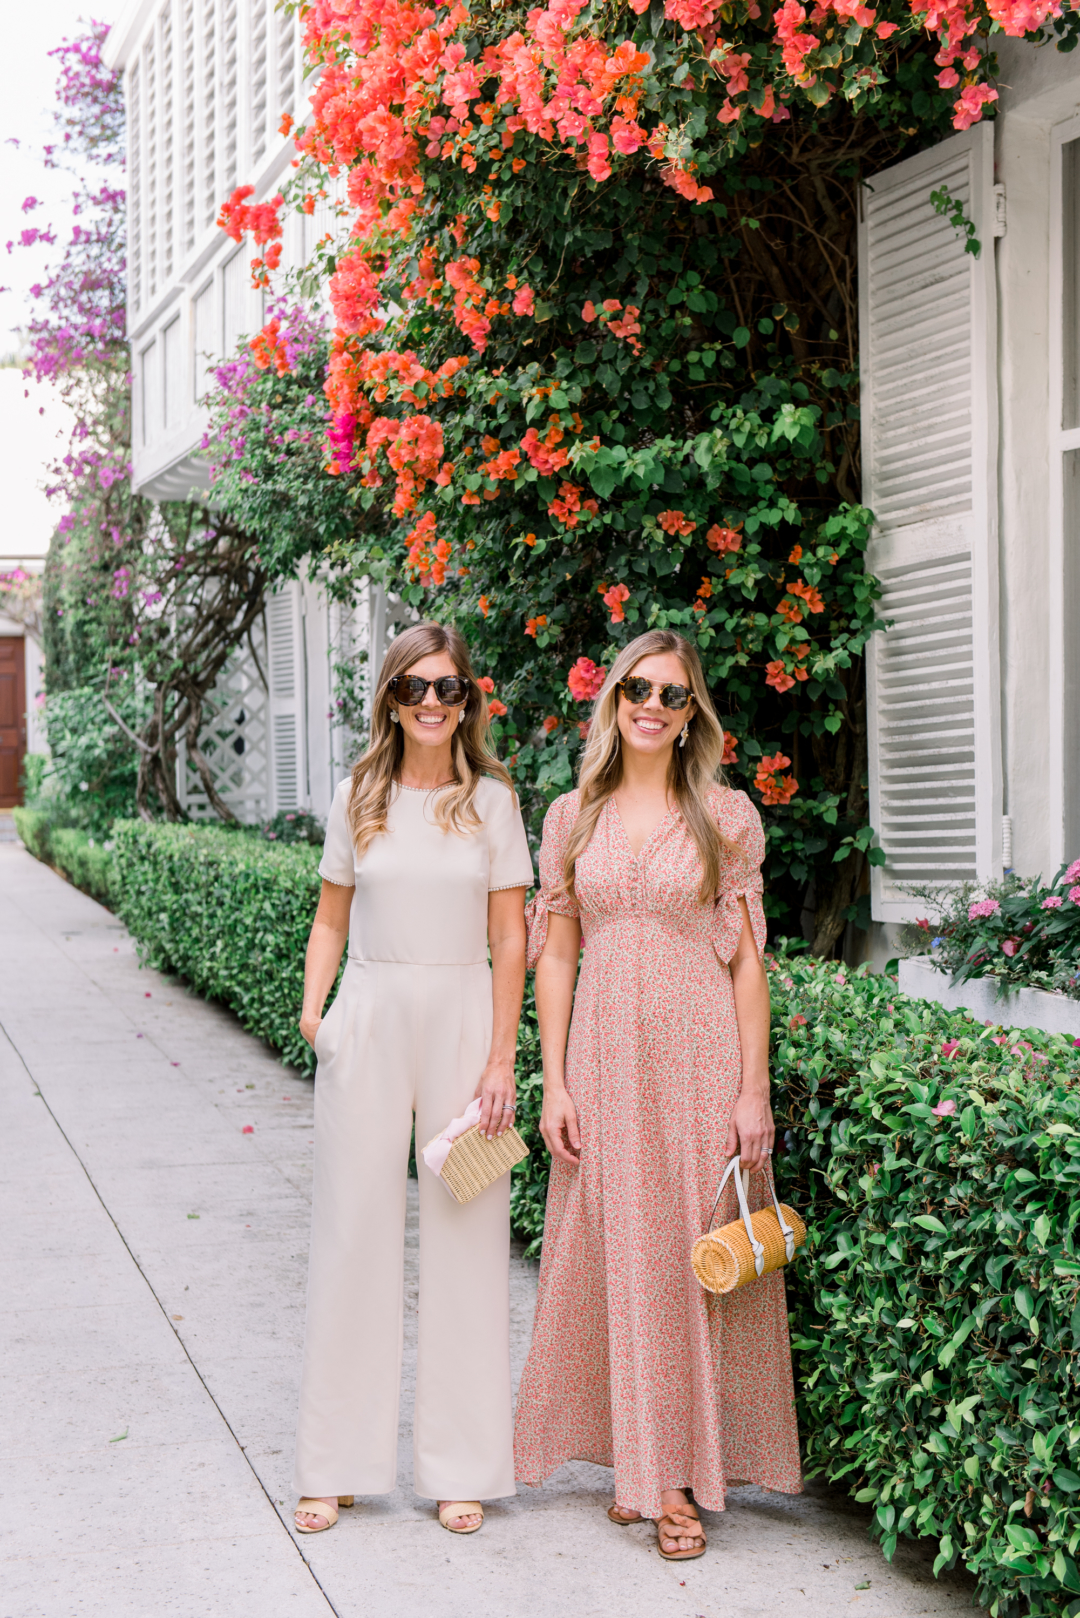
[(474, 1162), (750, 1246)]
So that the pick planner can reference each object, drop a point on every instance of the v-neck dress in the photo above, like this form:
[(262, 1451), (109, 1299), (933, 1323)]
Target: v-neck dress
[(633, 1364)]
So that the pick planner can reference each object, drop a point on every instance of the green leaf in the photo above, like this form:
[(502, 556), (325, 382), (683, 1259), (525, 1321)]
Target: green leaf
[(1066, 1479), (929, 1222)]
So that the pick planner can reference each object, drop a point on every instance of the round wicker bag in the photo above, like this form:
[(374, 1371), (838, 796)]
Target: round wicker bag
[(749, 1247)]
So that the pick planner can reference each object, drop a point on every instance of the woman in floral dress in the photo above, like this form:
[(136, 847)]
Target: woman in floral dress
[(652, 866)]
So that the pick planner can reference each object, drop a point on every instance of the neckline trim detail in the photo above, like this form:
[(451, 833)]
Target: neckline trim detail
[(427, 790)]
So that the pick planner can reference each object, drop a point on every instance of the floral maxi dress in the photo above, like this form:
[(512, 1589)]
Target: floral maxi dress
[(633, 1364)]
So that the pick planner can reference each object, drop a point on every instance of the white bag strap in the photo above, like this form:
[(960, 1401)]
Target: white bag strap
[(742, 1182)]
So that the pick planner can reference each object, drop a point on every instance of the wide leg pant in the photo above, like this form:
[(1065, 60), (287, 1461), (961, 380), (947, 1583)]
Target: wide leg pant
[(400, 1038)]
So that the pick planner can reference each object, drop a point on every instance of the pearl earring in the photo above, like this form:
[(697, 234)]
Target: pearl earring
[(685, 734), (394, 720)]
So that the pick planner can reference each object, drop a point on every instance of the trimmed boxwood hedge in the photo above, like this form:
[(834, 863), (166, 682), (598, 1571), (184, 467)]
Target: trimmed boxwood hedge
[(227, 912), (86, 863), (936, 1307)]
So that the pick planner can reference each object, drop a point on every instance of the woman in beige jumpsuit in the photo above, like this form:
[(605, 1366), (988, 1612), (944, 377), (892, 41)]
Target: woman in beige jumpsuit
[(425, 869)]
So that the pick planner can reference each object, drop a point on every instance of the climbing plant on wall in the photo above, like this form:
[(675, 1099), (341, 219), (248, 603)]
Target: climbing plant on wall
[(593, 365)]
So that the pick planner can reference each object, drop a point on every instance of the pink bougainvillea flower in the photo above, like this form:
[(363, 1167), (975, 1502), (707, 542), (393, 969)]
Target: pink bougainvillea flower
[(248, 1129), (950, 1048), (982, 908), (944, 1109), (798, 1021), (585, 680)]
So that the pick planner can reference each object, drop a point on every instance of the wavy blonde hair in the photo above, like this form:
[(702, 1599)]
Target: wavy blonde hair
[(694, 768), (375, 771)]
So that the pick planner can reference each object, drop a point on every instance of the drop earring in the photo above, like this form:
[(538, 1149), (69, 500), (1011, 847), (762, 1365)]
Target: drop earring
[(394, 720), (461, 717), (685, 734)]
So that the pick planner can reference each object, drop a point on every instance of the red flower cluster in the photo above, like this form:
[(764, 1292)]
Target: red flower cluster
[(585, 680), (613, 597)]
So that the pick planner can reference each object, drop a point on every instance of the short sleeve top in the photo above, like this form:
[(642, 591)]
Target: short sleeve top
[(612, 873), (421, 893)]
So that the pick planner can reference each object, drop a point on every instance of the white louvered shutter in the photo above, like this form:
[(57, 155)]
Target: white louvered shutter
[(288, 786), (927, 315)]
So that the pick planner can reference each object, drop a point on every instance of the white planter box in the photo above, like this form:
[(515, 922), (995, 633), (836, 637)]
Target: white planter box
[(990, 1000)]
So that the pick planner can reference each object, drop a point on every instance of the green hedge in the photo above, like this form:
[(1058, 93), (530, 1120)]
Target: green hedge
[(936, 1309), (86, 863), (228, 913)]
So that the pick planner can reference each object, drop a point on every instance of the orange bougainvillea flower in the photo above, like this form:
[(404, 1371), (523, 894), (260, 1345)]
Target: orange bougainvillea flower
[(796, 554), (484, 603), (813, 598), (613, 598), (551, 723), (286, 124), (676, 522), (773, 786), (731, 742), (777, 675), (724, 539), (486, 683), (790, 610), (534, 624), (496, 708)]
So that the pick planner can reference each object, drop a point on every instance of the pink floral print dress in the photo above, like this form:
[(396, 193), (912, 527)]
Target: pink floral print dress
[(633, 1364)]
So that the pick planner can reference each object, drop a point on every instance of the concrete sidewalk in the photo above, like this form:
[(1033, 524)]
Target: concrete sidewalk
[(153, 1285)]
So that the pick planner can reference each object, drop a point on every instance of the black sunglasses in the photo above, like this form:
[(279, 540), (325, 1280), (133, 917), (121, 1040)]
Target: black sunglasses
[(635, 688), (410, 690)]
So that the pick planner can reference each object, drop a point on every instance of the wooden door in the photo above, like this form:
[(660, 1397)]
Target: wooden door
[(12, 717)]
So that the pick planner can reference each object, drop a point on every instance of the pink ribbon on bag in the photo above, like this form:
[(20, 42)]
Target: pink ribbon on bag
[(438, 1151)]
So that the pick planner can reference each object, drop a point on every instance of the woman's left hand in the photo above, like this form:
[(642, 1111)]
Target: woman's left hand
[(751, 1132), (497, 1093)]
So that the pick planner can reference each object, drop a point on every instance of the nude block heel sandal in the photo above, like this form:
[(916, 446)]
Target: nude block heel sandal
[(461, 1508), (319, 1508)]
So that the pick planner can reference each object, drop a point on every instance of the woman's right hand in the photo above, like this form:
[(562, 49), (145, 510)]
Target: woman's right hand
[(309, 1027), (559, 1126)]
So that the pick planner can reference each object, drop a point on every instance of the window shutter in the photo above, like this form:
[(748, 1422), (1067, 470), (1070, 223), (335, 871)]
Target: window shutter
[(284, 636), (927, 315)]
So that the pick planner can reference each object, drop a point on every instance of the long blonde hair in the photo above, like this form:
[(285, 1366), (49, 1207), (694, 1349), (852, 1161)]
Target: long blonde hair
[(472, 757), (694, 768)]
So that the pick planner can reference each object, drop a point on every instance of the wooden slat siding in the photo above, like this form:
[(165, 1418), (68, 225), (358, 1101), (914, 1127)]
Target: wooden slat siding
[(929, 446)]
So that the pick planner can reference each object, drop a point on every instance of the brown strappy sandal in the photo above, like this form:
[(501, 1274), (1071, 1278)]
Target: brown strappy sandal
[(683, 1521), (623, 1522)]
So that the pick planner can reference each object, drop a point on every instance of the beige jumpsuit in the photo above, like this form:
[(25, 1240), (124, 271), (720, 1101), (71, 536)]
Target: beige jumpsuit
[(409, 1031)]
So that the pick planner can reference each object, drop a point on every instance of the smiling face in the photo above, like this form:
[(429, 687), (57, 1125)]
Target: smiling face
[(649, 727), (430, 723)]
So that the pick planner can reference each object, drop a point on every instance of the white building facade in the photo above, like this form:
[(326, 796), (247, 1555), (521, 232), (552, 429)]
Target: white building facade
[(971, 451), (207, 84), (971, 440)]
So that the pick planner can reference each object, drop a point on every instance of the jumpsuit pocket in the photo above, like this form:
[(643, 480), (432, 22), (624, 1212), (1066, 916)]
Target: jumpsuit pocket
[(322, 1054)]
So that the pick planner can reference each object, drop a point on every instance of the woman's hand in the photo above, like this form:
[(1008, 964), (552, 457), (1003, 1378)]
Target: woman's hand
[(497, 1094), (559, 1126), (309, 1027), (751, 1131)]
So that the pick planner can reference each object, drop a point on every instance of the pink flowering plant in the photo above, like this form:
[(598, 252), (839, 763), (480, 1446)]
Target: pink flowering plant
[(1023, 931)]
